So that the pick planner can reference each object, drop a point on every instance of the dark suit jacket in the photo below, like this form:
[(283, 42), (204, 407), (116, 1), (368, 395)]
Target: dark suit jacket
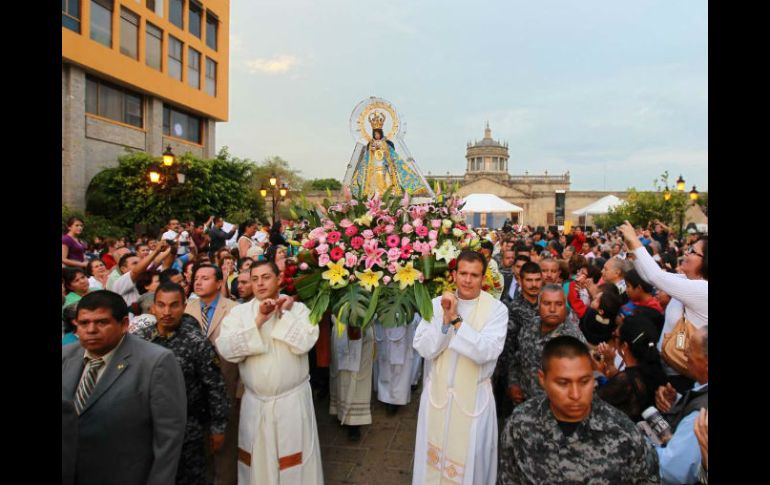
[(69, 441), (132, 427)]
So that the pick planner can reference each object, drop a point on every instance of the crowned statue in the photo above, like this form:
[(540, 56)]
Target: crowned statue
[(376, 165)]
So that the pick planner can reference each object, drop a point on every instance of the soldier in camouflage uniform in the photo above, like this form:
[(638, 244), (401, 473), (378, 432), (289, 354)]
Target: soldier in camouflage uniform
[(569, 436), (552, 321), (207, 401)]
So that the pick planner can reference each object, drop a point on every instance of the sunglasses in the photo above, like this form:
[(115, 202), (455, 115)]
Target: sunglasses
[(691, 250)]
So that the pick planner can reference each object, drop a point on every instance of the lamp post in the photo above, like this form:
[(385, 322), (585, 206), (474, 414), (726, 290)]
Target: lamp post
[(166, 174), (276, 191)]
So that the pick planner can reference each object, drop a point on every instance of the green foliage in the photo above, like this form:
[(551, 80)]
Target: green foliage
[(275, 166), (93, 225), (396, 307), (220, 186), (352, 306), (322, 184)]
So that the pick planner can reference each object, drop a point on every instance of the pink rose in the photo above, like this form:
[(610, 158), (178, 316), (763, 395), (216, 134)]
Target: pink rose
[(368, 234), (392, 267), (407, 229), (389, 228), (405, 240), (333, 237), (323, 260), (432, 243), (433, 235), (345, 223), (386, 280), (394, 254), (316, 233), (350, 260), (417, 222), (435, 223), (351, 231), (322, 239), (303, 266), (329, 225), (393, 241), (422, 231), (357, 242), (322, 249)]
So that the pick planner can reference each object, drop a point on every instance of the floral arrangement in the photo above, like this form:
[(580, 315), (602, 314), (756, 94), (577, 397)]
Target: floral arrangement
[(380, 256)]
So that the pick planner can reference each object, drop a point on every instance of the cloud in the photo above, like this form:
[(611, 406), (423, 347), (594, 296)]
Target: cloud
[(275, 65)]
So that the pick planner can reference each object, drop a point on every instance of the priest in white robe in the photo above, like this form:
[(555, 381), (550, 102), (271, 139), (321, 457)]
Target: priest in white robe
[(457, 422), (269, 338)]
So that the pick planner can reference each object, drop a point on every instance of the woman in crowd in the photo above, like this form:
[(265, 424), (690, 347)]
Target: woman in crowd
[(73, 249), (276, 236), (598, 322), (97, 274), (632, 390), (247, 246), (76, 283)]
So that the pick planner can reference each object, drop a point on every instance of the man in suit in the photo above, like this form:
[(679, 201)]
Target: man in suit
[(209, 309), (129, 395), (69, 441)]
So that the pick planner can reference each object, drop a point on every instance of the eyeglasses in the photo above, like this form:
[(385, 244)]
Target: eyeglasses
[(691, 250)]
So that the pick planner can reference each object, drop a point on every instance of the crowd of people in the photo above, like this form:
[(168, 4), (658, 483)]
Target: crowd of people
[(186, 360)]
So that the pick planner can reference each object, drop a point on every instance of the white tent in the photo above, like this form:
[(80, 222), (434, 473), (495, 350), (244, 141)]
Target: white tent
[(489, 203), (601, 206)]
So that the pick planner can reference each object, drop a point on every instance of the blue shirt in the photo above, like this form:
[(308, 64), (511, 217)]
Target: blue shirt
[(680, 458), (179, 262), (212, 308)]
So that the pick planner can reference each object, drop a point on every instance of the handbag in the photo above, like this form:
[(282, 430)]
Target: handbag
[(675, 344)]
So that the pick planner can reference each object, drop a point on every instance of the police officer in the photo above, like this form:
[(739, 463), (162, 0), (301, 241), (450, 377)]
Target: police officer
[(207, 401), (568, 436)]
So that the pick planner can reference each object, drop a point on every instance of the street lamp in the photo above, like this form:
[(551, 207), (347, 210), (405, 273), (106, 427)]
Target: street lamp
[(693, 194), (680, 184), (666, 194), (166, 174), (154, 173), (168, 157), (275, 193)]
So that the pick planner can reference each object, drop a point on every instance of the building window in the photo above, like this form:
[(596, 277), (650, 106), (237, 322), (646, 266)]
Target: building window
[(154, 46), (113, 102), (211, 77), (150, 5), (70, 14), (101, 22), (194, 19), (176, 13), (181, 125), (194, 68), (549, 218), (129, 33), (174, 58), (212, 24)]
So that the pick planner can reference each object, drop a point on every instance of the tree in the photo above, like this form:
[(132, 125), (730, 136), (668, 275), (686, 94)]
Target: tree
[(641, 208), (322, 184), (276, 166), (219, 186)]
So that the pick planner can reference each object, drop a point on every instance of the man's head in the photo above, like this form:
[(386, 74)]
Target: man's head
[(245, 290), (207, 280), (487, 248), (507, 259), (531, 280), (244, 264), (568, 252), (615, 250), (127, 262), (265, 280), (552, 305), (567, 377), (171, 275), (219, 222), (636, 288), (147, 282), (698, 355), (469, 275), (168, 306), (551, 272), (173, 225), (143, 250), (102, 321), (519, 261), (612, 272)]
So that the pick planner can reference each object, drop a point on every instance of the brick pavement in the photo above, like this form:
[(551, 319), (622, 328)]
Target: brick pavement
[(385, 454)]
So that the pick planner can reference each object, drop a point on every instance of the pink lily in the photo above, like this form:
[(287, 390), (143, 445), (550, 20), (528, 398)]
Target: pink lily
[(373, 253)]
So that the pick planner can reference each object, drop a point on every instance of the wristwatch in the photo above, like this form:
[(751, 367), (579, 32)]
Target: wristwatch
[(456, 320)]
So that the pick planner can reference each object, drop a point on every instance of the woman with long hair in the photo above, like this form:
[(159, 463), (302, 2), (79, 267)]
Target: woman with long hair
[(276, 235), (632, 390), (73, 249), (247, 246)]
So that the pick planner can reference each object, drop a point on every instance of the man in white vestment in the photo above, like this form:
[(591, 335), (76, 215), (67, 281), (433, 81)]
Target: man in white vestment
[(269, 338), (394, 366), (457, 422)]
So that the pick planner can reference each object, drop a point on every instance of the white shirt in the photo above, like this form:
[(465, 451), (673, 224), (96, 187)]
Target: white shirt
[(125, 287)]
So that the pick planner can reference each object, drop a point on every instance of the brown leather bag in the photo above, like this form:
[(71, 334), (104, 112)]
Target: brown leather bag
[(675, 344)]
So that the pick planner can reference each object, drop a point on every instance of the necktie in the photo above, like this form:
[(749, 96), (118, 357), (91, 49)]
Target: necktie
[(205, 316), (87, 383)]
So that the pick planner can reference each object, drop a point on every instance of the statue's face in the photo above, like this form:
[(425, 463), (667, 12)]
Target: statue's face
[(377, 135)]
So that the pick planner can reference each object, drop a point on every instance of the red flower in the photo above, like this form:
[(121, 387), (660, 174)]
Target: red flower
[(337, 253), (333, 237), (378, 230), (406, 251), (453, 264), (393, 241), (310, 244), (356, 242), (351, 231)]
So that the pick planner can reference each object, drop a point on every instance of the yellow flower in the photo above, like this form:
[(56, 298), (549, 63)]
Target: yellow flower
[(369, 279), (337, 274), (365, 220), (406, 275)]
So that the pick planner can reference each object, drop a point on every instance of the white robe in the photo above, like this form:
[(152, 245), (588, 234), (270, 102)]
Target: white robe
[(483, 348), (277, 432), (394, 365), (350, 377)]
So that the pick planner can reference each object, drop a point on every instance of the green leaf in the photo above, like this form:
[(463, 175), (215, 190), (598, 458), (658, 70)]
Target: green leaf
[(423, 301), (319, 305), (372, 307), (357, 300), (396, 308), (307, 285)]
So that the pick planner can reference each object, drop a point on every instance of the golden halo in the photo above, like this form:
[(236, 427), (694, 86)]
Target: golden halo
[(363, 118)]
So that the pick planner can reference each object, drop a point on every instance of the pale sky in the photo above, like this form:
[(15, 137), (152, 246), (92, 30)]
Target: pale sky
[(614, 92)]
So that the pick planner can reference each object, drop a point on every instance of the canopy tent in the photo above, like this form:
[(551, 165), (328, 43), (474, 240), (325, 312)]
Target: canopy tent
[(601, 206), (489, 204)]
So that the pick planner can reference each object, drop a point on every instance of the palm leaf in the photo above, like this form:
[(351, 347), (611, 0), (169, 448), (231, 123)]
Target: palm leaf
[(423, 301), (352, 305), (396, 307)]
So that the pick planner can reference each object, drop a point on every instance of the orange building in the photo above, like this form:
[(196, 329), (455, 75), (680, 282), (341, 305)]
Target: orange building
[(139, 75)]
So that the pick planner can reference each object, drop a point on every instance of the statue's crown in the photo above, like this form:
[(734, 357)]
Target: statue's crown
[(377, 120)]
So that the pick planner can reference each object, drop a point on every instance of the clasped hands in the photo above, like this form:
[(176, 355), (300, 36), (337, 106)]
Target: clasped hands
[(270, 306), (449, 304)]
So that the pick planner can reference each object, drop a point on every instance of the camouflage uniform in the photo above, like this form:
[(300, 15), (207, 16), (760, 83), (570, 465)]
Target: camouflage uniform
[(525, 362), (606, 448), (207, 401)]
